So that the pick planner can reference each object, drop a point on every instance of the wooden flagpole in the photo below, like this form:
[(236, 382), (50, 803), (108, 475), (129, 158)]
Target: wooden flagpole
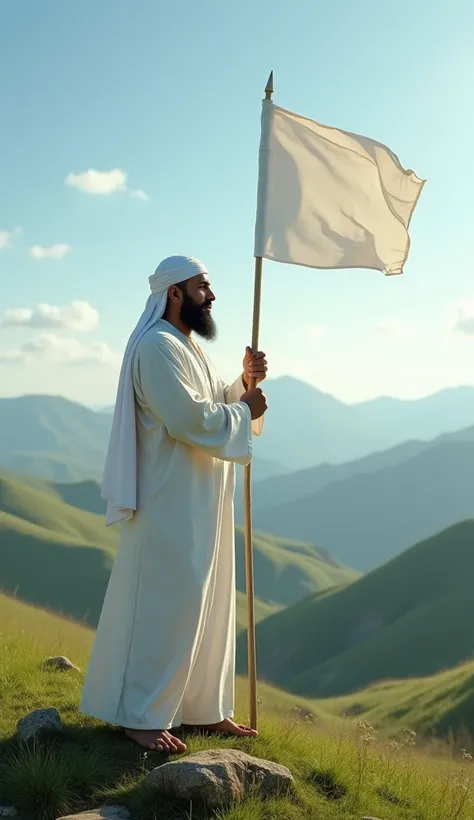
[(249, 574)]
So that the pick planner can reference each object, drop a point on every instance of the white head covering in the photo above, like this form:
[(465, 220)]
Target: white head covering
[(119, 486)]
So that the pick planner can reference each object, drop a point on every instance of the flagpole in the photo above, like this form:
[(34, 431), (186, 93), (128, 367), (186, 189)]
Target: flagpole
[(249, 572)]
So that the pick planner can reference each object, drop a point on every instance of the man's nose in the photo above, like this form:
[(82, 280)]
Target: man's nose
[(212, 297)]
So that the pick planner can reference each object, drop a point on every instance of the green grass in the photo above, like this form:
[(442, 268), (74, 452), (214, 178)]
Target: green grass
[(55, 551), (341, 772), (410, 618)]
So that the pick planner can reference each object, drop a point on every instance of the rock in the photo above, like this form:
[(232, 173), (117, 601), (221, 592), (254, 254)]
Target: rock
[(62, 663), (219, 777), (105, 813), (8, 811), (42, 720)]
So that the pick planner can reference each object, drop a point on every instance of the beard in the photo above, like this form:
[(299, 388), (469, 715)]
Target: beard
[(198, 318)]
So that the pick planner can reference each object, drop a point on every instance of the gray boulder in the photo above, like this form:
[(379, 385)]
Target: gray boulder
[(62, 663), (42, 720), (105, 813), (219, 777)]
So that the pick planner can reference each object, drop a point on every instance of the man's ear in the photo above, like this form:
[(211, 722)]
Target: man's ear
[(175, 294)]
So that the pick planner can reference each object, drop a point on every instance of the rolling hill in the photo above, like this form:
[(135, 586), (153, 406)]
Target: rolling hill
[(441, 703), (370, 515), (410, 618), (337, 773), (56, 553)]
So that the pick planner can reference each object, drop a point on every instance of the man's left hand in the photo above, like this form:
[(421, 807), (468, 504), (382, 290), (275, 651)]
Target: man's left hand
[(255, 366)]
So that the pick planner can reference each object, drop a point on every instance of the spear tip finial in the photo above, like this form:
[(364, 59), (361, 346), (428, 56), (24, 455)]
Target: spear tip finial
[(269, 87)]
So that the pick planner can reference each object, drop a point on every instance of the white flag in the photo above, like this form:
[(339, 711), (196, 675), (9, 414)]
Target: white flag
[(330, 199)]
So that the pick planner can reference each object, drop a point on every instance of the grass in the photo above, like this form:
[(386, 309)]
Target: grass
[(341, 771)]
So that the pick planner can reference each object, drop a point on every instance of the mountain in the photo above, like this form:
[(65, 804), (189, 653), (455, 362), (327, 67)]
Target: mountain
[(56, 552), (53, 438), (291, 486), (410, 618), (60, 440), (368, 517), (305, 427)]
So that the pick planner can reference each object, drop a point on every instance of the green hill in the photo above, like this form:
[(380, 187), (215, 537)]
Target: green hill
[(342, 770), (440, 705), (57, 554), (410, 618)]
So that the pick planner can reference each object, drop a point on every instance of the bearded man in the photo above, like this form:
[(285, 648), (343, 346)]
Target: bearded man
[(164, 653)]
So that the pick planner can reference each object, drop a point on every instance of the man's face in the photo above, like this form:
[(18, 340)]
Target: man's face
[(196, 307)]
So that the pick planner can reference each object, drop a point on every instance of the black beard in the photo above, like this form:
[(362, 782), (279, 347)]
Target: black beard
[(197, 318)]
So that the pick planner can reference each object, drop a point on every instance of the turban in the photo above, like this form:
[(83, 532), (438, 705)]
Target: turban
[(119, 487)]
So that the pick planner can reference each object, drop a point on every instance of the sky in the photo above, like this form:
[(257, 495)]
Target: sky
[(129, 131)]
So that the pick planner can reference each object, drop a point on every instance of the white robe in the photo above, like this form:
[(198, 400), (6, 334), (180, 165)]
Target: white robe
[(164, 652)]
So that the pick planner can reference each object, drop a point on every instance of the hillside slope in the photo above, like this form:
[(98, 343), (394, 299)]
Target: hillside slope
[(411, 617), (364, 520), (59, 555), (336, 774)]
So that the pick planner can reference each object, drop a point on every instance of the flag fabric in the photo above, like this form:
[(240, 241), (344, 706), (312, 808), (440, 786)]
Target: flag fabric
[(330, 199)]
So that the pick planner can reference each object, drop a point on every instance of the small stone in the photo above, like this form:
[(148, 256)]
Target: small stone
[(105, 813), (62, 663), (219, 777), (42, 720), (8, 811)]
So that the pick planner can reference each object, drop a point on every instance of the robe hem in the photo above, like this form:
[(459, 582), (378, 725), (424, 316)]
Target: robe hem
[(203, 722), (146, 727)]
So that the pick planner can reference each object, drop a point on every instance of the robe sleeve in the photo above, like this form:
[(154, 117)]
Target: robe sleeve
[(232, 393), (221, 430)]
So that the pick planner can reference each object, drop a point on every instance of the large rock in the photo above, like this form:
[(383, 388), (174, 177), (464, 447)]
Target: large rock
[(8, 811), (219, 777), (105, 813), (42, 720), (62, 663)]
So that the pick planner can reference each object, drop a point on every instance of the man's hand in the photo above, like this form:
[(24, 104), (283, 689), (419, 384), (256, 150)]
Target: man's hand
[(256, 401), (255, 366)]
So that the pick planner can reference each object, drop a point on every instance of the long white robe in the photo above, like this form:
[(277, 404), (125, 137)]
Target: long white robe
[(164, 652)]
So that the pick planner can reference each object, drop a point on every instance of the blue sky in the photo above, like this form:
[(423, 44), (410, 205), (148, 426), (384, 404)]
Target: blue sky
[(168, 95)]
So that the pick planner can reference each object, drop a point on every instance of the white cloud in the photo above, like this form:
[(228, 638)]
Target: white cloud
[(103, 183), (98, 182), (5, 239), (53, 349), (78, 316), (49, 251), (139, 194), (461, 317), (393, 328)]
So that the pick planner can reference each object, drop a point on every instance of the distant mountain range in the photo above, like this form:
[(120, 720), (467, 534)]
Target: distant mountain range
[(367, 511), (412, 617), (57, 439), (305, 427), (56, 552)]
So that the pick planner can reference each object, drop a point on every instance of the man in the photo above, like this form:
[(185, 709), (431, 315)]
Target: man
[(164, 653)]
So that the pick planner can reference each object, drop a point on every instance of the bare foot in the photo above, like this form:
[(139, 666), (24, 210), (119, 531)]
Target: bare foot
[(156, 741), (227, 727)]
